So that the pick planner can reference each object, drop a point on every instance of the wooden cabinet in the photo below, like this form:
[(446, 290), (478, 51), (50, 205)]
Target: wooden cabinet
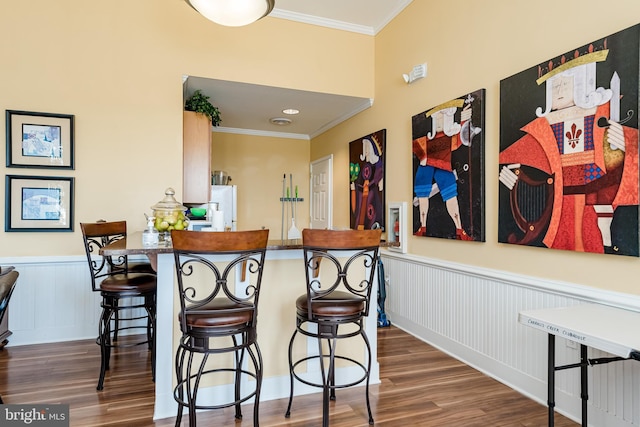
[(196, 158)]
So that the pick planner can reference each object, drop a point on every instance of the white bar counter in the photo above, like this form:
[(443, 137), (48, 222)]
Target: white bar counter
[(283, 281)]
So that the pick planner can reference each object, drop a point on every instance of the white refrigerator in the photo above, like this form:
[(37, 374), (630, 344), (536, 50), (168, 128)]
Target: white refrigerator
[(226, 197)]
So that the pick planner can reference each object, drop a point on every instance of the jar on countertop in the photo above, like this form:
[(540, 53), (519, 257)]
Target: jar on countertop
[(169, 215)]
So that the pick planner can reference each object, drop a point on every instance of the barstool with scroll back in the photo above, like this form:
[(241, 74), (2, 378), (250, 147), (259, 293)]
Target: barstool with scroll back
[(219, 276), (122, 263), (121, 291), (340, 269)]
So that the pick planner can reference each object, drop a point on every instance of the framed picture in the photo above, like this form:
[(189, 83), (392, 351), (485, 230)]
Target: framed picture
[(39, 140), (448, 169), (38, 203), (397, 226), (568, 162), (366, 181)]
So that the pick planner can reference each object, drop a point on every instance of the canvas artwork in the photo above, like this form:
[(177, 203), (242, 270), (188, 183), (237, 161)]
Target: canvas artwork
[(366, 180), (448, 169), (569, 150)]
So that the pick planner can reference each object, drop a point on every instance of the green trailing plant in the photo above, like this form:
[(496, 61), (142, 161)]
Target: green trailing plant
[(199, 103)]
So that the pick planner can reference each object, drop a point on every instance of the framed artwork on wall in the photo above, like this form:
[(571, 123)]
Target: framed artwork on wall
[(366, 181), (568, 159), (38, 203), (448, 169), (39, 140)]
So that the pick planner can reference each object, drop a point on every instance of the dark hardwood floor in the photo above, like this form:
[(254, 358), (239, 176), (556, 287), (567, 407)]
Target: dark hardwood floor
[(420, 386)]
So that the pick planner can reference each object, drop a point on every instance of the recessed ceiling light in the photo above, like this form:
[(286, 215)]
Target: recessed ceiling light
[(290, 111), (280, 121)]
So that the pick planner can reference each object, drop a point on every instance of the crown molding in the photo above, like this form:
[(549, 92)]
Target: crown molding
[(322, 22), (340, 25), (254, 132), (367, 103)]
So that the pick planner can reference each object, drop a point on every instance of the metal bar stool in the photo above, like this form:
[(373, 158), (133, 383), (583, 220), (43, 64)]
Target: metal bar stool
[(122, 263), (334, 307), (219, 276), (121, 290)]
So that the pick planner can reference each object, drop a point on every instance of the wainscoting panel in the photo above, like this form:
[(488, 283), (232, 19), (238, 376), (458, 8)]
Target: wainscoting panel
[(472, 314), (52, 301)]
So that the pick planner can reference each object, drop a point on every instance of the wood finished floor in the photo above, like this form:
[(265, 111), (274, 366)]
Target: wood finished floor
[(420, 386)]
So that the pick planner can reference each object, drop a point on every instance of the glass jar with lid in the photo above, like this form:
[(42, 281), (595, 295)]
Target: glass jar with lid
[(169, 215)]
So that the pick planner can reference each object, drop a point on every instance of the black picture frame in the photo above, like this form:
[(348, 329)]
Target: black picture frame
[(39, 203), (39, 140)]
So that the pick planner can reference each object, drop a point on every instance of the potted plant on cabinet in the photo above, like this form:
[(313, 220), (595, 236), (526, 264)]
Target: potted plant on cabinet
[(199, 103)]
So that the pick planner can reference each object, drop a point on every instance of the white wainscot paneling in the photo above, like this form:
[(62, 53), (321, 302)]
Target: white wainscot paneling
[(52, 301), (472, 314)]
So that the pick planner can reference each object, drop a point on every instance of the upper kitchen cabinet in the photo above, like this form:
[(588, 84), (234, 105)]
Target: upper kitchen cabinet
[(196, 158)]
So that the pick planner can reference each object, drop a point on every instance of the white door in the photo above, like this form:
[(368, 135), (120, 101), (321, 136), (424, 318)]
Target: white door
[(322, 193)]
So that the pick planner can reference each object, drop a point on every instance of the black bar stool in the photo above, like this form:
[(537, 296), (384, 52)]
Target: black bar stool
[(340, 268), (218, 314), (121, 290)]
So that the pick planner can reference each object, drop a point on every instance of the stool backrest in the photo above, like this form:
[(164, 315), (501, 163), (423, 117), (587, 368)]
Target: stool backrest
[(97, 235), (208, 262), (340, 260), (7, 285)]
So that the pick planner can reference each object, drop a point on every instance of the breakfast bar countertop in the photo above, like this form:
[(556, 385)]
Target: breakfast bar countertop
[(132, 245)]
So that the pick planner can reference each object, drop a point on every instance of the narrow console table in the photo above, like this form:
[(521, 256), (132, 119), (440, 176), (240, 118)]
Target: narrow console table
[(605, 328)]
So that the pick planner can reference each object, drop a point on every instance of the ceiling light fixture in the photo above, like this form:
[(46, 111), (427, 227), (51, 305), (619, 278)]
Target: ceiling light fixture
[(280, 121), (232, 13), (290, 111)]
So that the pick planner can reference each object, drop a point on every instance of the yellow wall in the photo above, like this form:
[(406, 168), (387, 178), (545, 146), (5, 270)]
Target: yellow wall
[(256, 165), (467, 47), (118, 68)]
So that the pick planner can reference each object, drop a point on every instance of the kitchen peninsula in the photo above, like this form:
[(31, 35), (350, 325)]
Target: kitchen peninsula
[(283, 281)]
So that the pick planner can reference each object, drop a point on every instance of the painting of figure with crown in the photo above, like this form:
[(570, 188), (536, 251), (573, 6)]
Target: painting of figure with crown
[(568, 159), (366, 181), (448, 169)]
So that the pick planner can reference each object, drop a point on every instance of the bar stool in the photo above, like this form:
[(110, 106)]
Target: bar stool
[(122, 262), (334, 307), (120, 290), (218, 314)]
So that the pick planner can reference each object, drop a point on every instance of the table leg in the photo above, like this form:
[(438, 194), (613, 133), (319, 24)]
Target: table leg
[(584, 386), (551, 378), (153, 260)]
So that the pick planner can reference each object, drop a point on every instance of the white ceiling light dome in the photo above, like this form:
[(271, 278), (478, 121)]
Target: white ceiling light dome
[(233, 13)]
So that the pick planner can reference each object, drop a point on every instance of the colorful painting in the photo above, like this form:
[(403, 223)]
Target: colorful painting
[(569, 150), (366, 180), (448, 169)]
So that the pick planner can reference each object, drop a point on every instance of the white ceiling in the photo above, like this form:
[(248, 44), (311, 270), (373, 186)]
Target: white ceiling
[(247, 108)]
